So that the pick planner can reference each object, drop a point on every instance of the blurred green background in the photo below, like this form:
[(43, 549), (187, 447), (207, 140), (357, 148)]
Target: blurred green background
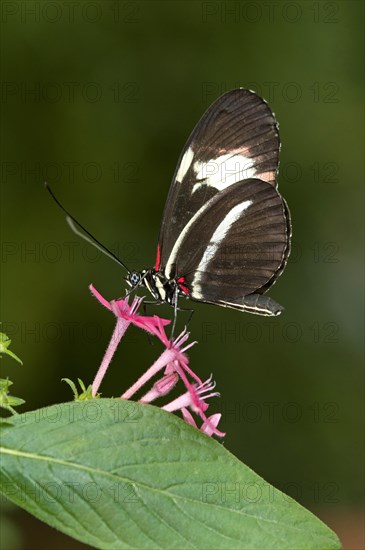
[(98, 99)]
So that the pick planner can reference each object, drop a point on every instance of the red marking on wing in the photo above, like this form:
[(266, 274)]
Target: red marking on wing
[(184, 288), (158, 258)]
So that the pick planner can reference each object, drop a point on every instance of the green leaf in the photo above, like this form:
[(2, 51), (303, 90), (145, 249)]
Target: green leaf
[(8, 401), (15, 401), (86, 393), (117, 474), (72, 386), (4, 344), (5, 384)]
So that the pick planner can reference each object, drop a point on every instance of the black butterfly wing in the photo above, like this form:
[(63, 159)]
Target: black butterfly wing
[(237, 138), (235, 246)]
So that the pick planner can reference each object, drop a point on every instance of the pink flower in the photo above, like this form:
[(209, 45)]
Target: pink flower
[(173, 360), (195, 399), (208, 427)]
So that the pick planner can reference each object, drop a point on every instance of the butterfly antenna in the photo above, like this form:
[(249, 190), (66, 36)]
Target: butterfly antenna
[(84, 233)]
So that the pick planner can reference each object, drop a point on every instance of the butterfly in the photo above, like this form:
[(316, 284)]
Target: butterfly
[(225, 230)]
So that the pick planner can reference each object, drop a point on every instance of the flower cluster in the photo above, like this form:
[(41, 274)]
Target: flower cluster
[(173, 363)]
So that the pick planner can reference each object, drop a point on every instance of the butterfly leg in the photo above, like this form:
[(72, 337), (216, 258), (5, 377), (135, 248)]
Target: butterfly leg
[(144, 307), (175, 306), (191, 313)]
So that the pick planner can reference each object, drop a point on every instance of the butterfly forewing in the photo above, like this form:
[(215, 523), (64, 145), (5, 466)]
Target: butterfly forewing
[(236, 139)]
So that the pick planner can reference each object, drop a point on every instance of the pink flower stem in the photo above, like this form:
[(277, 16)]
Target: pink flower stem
[(188, 386), (166, 357), (179, 403), (120, 328), (192, 373), (161, 387)]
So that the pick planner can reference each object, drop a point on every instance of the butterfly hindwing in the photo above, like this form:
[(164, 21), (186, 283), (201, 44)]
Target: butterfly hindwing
[(233, 246)]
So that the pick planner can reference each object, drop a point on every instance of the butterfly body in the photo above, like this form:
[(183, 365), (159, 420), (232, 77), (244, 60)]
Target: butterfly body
[(162, 289)]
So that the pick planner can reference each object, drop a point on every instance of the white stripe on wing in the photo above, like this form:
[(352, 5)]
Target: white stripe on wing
[(219, 234)]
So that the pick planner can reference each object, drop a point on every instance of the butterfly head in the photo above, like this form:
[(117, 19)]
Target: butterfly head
[(134, 278)]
